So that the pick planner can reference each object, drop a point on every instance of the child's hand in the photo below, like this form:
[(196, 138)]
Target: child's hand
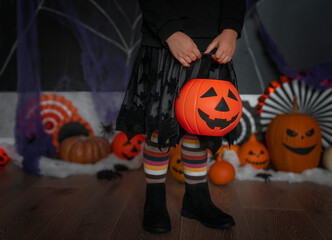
[(183, 48), (225, 44)]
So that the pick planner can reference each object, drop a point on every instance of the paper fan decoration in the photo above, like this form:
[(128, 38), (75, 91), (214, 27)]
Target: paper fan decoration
[(55, 109), (249, 123), (278, 99), (73, 126), (56, 112)]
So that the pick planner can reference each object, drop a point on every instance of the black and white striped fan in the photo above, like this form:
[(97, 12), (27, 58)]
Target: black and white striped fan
[(249, 123), (278, 99)]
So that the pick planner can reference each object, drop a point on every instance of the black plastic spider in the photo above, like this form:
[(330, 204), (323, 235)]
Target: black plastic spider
[(108, 174), (265, 176)]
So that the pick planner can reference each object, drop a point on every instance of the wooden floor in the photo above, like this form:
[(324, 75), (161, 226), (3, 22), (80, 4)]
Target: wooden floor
[(83, 207)]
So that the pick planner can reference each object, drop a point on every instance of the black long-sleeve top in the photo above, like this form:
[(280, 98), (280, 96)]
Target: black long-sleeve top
[(202, 20)]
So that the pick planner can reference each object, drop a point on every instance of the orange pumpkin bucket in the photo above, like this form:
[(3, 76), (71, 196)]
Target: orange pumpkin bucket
[(208, 107)]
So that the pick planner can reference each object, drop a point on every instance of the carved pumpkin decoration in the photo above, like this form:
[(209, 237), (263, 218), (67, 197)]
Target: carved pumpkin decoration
[(176, 165), (4, 158), (254, 153), (327, 158), (84, 149), (208, 107), (294, 141), (125, 149), (221, 172)]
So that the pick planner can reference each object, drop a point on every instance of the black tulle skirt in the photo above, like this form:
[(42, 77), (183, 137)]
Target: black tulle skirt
[(156, 80)]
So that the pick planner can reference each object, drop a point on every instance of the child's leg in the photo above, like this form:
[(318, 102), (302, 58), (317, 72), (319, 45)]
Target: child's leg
[(156, 217), (194, 160), (197, 202), (155, 160)]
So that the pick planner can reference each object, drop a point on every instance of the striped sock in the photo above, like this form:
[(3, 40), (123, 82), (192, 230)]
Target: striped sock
[(155, 161), (194, 160)]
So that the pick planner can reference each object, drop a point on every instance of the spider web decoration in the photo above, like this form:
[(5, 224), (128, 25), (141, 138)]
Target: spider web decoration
[(278, 99), (107, 34)]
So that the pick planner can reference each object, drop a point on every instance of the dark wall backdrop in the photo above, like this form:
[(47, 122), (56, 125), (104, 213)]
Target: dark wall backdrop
[(57, 66), (8, 70), (300, 28)]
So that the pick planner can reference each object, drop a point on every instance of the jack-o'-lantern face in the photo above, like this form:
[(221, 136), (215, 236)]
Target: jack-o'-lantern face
[(258, 159), (254, 153), (4, 159), (176, 167), (127, 149), (208, 107), (175, 163), (294, 141)]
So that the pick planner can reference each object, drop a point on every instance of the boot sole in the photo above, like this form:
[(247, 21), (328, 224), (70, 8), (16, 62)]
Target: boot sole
[(189, 215), (156, 230)]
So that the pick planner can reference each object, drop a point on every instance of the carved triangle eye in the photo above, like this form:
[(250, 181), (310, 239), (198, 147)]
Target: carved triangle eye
[(209, 93), (222, 106), (231, 95), (310, 132), (134, 149), (291, 133), (127, 143)]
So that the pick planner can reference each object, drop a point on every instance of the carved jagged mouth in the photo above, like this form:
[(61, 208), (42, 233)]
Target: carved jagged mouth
[(126, 156), (256, 163), (221, 123), (300, 151), (177, 170)]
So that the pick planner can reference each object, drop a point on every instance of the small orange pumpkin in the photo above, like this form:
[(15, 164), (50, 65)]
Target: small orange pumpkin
[(4, 158), (221, 172), (208, 107), (294, 141), (254, 153), (125, 149), (175, 163), (84, 149)]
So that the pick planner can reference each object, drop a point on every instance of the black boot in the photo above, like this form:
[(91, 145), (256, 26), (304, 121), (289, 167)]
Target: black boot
[(156, 218), (197, 204)]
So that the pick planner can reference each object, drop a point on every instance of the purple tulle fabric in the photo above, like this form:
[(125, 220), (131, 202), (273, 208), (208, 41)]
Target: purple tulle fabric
[(31, 140), (108, 35)]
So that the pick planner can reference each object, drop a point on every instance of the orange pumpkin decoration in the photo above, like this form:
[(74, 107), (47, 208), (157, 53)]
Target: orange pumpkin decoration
[(83, 149), (224, 148), (221, 172), (327, 158), (176, 165), (4, 158), (208, 107), (294, 141), (254, 153), (125, 149)]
